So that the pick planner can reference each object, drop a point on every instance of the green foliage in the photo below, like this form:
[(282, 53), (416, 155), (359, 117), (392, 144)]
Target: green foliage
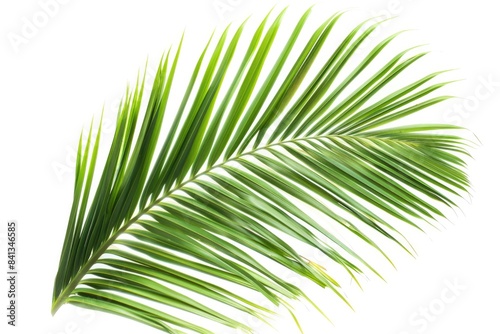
[(252, 158)]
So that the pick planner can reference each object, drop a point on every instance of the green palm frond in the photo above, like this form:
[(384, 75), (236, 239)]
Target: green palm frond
[(254, 163)]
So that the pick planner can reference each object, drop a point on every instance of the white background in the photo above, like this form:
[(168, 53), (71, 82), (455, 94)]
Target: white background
[(58, 78)]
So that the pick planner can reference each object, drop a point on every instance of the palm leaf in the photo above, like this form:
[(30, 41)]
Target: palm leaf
[(254, 163)]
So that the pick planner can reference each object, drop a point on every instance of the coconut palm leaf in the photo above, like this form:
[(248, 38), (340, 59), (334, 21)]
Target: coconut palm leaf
[(256, 160)]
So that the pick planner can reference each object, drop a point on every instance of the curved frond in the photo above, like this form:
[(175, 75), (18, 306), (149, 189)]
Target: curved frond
[(257, 159)]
